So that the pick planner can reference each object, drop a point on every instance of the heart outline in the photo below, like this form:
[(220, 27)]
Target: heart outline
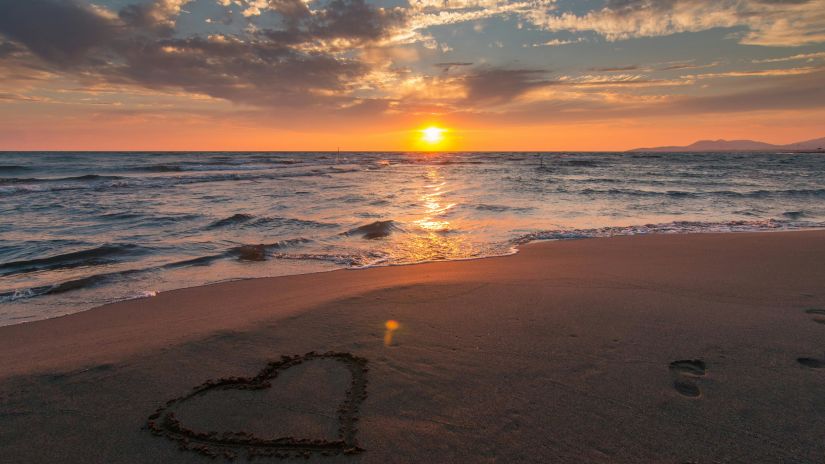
[(164, 423)]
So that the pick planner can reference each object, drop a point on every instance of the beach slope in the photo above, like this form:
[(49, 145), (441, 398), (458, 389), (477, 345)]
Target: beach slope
[(662, 348)]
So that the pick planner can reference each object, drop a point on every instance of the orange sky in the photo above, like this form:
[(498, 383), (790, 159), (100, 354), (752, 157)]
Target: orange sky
[(369, 74), (197, 134)]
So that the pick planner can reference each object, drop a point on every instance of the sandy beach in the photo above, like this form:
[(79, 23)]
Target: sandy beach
[(647, 349)]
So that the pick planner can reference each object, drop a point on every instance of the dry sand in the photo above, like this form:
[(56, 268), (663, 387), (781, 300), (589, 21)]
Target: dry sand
[(654, 349)]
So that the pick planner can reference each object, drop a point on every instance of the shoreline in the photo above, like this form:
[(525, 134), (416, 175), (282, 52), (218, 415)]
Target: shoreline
[(130, 305), (514, 250), (653, 348), (673, 228)]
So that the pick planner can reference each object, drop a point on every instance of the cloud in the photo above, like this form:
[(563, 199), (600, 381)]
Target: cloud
[(800, 56), (62, 32), (305, 62), (261, 72), (159, 16), (497, 85), (757, 73), (450, 65), (429, 13), (351, 57), (8, 49), (687, 65), (633, 67), (557, 42), (766, 22), (797, 92), (801, 91)]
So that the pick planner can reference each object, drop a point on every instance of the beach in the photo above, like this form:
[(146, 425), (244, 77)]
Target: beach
[(669, 348)]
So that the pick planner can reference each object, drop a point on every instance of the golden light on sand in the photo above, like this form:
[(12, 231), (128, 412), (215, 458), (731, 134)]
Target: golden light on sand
[(391, 326)]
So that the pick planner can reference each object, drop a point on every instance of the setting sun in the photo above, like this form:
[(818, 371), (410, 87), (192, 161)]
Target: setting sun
[(433, 134)]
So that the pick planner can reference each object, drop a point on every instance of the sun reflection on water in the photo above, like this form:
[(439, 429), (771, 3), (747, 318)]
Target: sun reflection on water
[(439, 239)]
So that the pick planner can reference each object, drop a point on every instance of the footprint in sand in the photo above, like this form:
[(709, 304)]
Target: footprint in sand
[(685, 373), (812, 362), (819, 314)]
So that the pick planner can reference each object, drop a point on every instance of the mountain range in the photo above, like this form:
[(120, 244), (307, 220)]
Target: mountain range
[(815, 145)]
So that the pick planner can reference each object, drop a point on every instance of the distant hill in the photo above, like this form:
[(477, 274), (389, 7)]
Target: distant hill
[(743, 145), (808, 145)]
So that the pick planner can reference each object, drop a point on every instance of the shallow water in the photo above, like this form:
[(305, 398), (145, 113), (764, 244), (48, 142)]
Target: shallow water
[(82, 229)]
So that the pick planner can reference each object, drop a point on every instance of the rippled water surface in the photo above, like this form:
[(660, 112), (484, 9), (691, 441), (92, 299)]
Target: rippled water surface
[(82, 229)]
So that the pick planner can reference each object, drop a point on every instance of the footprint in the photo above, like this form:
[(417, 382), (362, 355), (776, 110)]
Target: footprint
[(687, 388), (694, 367), (811, 362), (817, 312), (685, 373)]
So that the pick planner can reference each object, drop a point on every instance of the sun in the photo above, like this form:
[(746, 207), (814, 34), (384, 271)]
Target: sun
[(432, 135)]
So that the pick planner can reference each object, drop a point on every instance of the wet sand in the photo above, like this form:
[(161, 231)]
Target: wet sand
[(665, 348)]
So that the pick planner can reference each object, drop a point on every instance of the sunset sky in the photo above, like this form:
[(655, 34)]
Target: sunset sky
[(359, 75)]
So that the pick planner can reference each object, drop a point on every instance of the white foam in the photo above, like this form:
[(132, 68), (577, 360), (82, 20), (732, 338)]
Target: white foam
[(143, 294)]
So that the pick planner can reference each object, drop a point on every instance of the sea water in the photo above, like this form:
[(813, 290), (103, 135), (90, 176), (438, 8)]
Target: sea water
[(82, 229)]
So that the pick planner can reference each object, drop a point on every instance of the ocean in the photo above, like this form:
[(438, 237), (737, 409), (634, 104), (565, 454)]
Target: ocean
[(82, 229)]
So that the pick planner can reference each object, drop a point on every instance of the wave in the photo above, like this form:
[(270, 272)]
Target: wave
[(794, 215), (66, 286), (104, 254), (503, 208), (244, 220), (352, 260), (199, 261), (36, 180), (13, 168), (204, 166), (581, 163), (87, 257), (159, 168), (256, 252), (102, 182), (18, 185), (231, 220), (260, 252), (374, 230), (711, 193), (676, 227)]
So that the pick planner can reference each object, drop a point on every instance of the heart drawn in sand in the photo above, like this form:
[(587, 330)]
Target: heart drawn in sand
[(229, 444)]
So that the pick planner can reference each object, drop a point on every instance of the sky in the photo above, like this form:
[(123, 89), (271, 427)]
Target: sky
[(370, 75)]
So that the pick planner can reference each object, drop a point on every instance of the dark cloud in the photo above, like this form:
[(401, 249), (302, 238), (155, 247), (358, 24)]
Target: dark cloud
[(687, 66), (497, 85), (632, 6), (448, 66), (59, 31), (799, 92), (784, 2), (142, 18), (354, 21), (8, 49), (289, 66), (617, 68), (256, 73), (803, 91)]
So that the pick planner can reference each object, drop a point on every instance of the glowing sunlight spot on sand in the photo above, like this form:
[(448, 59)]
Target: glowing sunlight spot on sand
[(391, 326)]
